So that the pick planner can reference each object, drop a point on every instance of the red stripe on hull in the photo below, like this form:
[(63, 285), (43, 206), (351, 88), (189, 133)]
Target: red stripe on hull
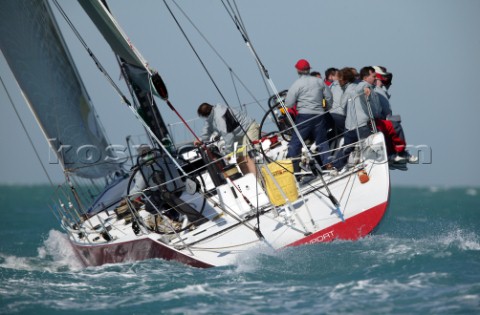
[(96, 255), (352, 229)]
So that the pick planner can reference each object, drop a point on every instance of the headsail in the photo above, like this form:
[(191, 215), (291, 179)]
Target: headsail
[(134, 66), (33, 46)]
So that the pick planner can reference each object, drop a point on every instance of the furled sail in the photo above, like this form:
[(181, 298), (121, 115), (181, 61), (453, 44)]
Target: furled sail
[(34, 48), (134, 66)]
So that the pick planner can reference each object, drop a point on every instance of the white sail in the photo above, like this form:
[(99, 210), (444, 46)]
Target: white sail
[(33, 46)]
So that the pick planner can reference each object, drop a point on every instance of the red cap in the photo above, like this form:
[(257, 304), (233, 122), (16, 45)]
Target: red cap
[(302, 65), (380, 77)]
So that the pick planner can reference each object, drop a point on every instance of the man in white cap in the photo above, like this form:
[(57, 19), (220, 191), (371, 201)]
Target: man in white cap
[(308, 93), (391, 124)]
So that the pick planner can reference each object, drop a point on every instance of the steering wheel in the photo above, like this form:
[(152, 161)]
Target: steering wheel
[(273, 100), (278, 115)]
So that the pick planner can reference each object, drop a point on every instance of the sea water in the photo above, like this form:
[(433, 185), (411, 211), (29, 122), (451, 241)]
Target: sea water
[(423, 259)]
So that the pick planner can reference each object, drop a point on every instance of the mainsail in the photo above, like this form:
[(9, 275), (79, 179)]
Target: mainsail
[(134, 66), (33, 46)]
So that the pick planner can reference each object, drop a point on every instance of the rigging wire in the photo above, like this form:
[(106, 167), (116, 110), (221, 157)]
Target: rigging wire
[(241, 28), (103, 70), (136, 105), (195, 52), (136, 114), (236, 91), (219, 56), (206, 70), (92, 55), (189, 42), (237, 17), (33, 146), (27, 133), (208, 73)]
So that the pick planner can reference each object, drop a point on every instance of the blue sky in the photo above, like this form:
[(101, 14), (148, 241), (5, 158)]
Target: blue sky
[(432, 48)]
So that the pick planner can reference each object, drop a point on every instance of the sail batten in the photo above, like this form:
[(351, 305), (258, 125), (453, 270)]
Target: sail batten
[(43, 68)]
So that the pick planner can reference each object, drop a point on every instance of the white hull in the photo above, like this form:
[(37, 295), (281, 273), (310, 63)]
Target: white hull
[(224, 237)]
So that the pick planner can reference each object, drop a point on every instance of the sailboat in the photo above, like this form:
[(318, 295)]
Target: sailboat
[(196, 206)]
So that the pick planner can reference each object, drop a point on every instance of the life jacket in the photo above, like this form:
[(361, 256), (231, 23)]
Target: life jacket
[(292, 111), (230, 121)]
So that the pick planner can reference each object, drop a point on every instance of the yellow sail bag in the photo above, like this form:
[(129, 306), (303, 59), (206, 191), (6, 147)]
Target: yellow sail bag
[(282, 172)]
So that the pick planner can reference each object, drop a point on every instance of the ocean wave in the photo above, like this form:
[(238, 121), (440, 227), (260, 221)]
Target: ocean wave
[(56, 254), (461, 239), (471, 192)]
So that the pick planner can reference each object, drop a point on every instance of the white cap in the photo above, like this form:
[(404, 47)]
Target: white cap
[(379, 70), (143, 148)]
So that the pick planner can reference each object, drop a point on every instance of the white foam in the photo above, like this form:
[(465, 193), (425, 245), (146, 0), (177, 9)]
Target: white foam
[(56, 254), (471, 192), (434, 189), (249, 261), (191, 290), (19, 263), (59, 248), (383, 289), (461, 239)]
